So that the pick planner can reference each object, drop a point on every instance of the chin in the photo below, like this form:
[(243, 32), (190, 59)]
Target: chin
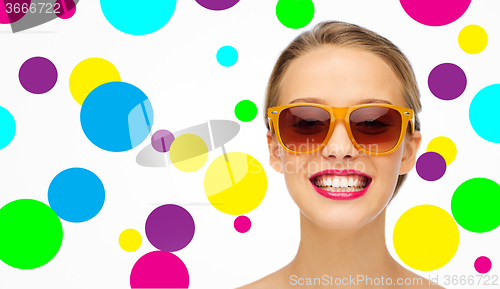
[(341, 220)]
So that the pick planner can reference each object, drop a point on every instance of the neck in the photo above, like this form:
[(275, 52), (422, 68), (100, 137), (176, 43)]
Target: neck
[(343, 252)]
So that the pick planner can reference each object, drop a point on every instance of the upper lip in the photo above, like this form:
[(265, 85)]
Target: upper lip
[(340, 173)]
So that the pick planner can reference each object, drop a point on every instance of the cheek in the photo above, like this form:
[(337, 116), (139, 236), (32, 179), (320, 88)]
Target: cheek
[(295, 170)]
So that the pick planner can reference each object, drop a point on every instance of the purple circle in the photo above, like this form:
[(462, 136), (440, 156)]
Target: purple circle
[(431, 166), (447, 81), (162, 140), (217, 4), (482, 264), (170, 228), (38, 75), (242, 224)]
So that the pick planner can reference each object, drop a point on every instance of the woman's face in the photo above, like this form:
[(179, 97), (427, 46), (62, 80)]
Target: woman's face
[(342, 77)]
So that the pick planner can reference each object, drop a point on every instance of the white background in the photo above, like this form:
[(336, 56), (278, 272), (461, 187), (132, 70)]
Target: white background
[(177, 69)]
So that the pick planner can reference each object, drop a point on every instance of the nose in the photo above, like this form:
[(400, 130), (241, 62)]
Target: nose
[(339, 145)]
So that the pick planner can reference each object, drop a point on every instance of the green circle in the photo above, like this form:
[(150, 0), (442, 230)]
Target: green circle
[(295, 13), (475, 205), (30, 234), (245, 110)]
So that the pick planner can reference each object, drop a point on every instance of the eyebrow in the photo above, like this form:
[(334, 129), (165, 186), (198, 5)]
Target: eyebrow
[(321, 101)]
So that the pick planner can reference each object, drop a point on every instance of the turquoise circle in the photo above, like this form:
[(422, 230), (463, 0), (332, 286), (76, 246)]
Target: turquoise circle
[(227, 56), (76, 195), (138, 17), (116, 116), (8, 129), (483, 113)]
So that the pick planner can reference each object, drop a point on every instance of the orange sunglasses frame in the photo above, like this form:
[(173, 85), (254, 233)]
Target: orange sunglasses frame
[(342, 113)]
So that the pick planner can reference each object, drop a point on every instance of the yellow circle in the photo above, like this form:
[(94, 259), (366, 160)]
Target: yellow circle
[(426, 237), (443, 146), (89, 74), (188, 153), (472, 39), (235, 183), (130, 240)]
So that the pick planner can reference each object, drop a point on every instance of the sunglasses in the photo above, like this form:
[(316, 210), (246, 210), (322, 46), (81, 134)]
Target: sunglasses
[(375, 128)]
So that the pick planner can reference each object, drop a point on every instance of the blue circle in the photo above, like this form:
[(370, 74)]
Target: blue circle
[(483, 113), (138, 17), (227, 56), (76, 195), (116, 116), (8, 127)]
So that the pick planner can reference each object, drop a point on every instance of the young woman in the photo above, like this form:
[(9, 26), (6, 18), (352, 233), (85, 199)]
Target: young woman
[(341, 112)]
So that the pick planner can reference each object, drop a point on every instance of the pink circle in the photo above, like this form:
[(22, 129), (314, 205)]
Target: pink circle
[(482, 264), (67, 9), (12, 10), (435, 12), (242, 224), (159, 269)]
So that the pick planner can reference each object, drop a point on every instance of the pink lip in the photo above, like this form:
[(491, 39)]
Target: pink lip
[(340, 195)]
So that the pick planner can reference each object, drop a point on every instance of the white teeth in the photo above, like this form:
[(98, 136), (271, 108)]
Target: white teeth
[(341, 183)]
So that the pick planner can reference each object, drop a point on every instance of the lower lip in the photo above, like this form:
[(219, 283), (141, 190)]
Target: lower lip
[(341, 196)]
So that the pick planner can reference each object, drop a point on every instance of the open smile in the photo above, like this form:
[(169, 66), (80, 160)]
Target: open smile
[(341, 185)]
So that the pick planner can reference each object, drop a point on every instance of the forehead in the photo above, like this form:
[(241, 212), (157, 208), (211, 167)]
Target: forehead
[(340, 76)]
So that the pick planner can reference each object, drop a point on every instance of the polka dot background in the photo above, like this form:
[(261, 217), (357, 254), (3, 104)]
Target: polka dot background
[(89, 74), (116, 116), (482, 264), (447, 81), (426, 237), (38, 75), (479, 214), (31, 234), (483, 112), (76, 195), (295, 14), (472, 39), (227, 56), (431, 166), (118, 121), (443, 146), (8, 127), (125, 16), (435, 12), (130, 240)]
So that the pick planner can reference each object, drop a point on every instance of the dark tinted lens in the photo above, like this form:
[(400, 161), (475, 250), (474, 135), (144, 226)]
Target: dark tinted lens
[(377, 129), (303, 128)]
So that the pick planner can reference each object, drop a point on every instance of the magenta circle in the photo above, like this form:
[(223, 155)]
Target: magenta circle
[(242, 224), (159, 269), (170, 228), (435, 12), (482, 264), (162, 140), (217, 5), (66, 9), (38, 75), (7, 17)]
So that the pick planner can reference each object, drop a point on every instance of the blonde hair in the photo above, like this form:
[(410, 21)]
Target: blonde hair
[(344, 34)]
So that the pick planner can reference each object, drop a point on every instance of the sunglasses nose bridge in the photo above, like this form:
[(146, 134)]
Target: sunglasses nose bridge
[(338, 112)]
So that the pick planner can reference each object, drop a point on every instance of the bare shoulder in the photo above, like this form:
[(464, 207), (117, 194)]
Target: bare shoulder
[(274, 280)]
